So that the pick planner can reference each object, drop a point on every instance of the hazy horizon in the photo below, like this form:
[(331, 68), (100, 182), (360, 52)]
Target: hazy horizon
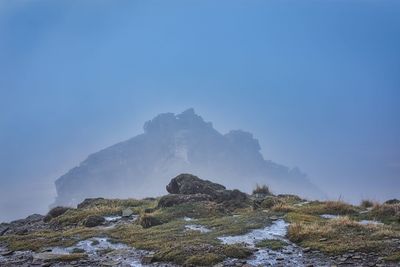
[(316, 82)]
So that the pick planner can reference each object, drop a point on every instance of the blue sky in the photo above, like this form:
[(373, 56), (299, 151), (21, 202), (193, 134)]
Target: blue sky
[(317, 82)]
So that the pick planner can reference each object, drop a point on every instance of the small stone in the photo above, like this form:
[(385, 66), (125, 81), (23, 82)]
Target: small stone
[(307, 249), (323, 239), (127, 212)]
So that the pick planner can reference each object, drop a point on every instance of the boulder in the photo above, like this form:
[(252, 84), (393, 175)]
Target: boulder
[(55, 212), (392, 201), (93, 221), (174, 199), (189, 188), (189, 184), (127, 212), (147, 221), (233, 199)]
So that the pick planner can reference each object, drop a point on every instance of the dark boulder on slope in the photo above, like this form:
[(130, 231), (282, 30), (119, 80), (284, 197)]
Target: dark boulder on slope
[(173, 144), (188, 188), (177, 199), (190, 184)]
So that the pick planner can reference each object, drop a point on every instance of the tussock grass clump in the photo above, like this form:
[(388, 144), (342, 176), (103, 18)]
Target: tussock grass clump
[(147, 221), (388, 213), (290, 199), (367, 203), (281, 207), (339, 235), (269, 202), (329, 207), (262, 189)]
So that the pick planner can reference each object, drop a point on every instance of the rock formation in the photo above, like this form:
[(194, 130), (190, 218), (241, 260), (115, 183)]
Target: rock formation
[(173, 144)]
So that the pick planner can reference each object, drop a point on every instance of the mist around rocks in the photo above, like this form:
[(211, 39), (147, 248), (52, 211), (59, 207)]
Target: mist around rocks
[(173, 144)]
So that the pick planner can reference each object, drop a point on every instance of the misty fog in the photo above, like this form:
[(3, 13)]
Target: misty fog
[(314, 94)]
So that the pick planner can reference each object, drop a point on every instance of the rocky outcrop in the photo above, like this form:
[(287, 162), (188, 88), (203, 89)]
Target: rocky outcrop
[(55, 212), (188, 184), (392, 201), (174, 199), (187, 188), (173, 144), (147, 221)]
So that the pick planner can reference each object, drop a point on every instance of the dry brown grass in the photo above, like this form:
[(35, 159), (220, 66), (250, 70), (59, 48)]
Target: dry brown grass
[(341, 234), (386, 210), (281, 207), (329, 207)]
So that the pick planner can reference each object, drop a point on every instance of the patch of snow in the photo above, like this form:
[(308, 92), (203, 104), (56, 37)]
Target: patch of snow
[(366, 222), (291, 255), (112, 218), (277, 230), (187, 219), (196, 227), (329, 216)]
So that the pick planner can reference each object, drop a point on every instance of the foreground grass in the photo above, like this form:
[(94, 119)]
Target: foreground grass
[(172, 242), (340, 235)]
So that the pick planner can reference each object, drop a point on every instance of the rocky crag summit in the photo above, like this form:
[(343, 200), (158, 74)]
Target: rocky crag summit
[(201, 223), (173, 144)]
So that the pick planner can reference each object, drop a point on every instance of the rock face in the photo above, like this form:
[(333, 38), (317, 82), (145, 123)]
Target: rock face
[(173, 144)]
